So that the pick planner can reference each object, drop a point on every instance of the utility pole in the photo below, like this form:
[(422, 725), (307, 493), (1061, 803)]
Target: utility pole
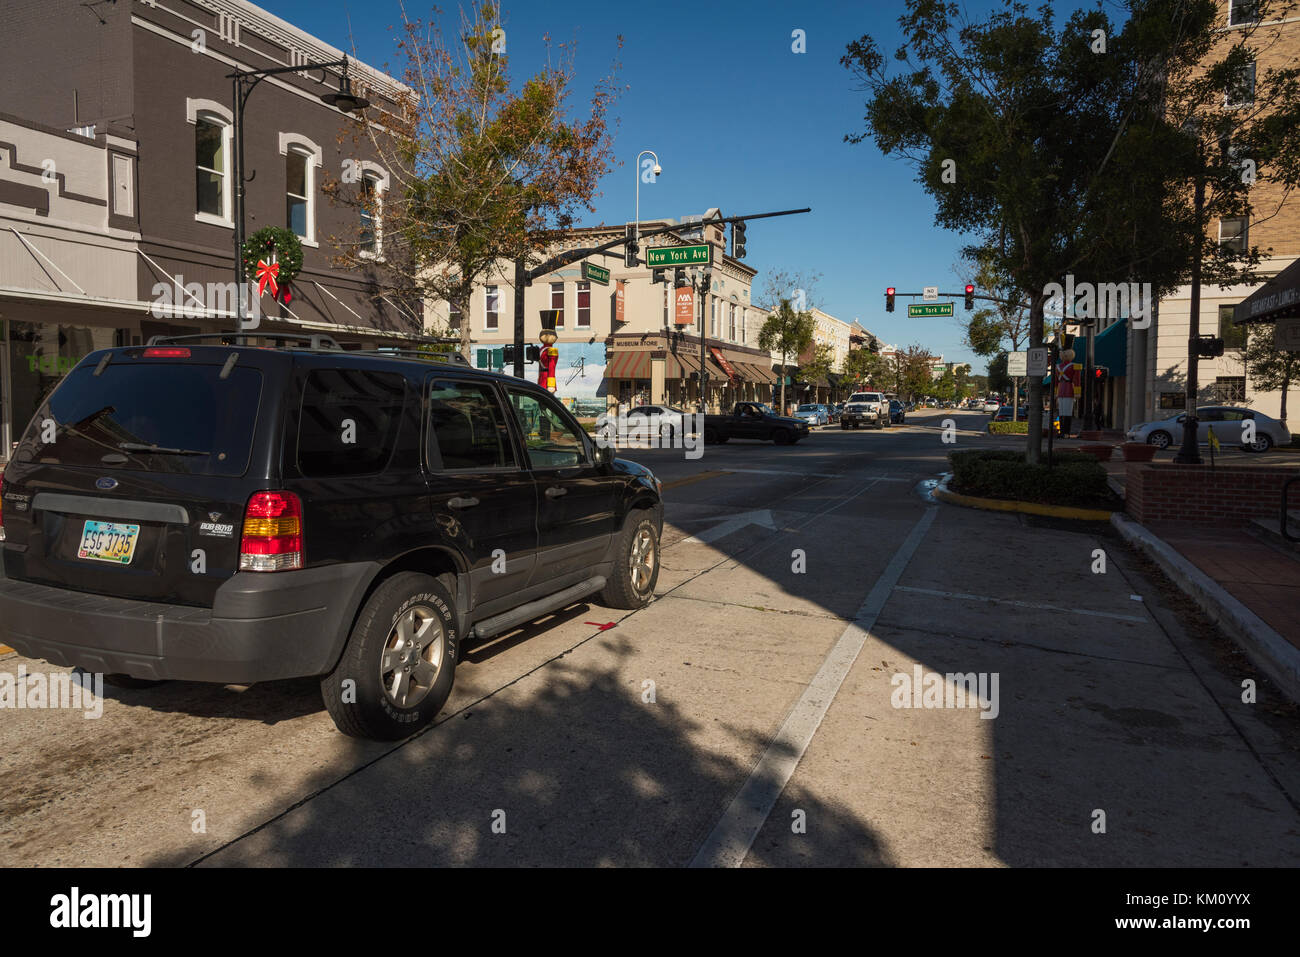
[(1190, 453)]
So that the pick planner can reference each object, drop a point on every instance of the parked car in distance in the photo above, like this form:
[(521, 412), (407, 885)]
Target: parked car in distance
[(991, 405), (1004, 414), (754, 420), (813, 413), (243, 513), (836, 411), (670, 421), (1232, 427), (896, 412), (865, 408)]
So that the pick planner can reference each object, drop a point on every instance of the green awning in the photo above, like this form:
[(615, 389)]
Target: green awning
[(1110, 348)]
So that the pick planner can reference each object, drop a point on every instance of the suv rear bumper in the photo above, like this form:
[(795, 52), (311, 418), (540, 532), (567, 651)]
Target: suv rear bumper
[(261, 627)]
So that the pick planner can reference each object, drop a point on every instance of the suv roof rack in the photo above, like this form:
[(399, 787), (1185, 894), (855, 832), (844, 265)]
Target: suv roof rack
[(452, 357), (315, 341)]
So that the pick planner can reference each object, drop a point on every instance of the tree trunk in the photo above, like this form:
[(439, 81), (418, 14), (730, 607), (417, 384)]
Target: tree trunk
[(1034, 440)]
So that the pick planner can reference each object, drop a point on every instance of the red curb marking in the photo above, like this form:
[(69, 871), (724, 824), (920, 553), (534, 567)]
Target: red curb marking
[(605, 627)]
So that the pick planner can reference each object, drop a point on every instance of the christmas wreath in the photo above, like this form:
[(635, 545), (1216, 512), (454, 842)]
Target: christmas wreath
[(273, 257)]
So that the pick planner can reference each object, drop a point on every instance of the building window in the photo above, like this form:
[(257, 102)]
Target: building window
[(1233, 233), (453, 316), (1242, 93), (732, 322), (743, 315), (1233, 335), (372, 201), (713, 316), (491, 307), (584, 305), (212, 161), (1230, 389), (557, 302), (1243, 11), (297, 211)]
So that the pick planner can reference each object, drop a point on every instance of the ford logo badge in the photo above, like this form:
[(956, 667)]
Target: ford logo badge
[(106, 484)]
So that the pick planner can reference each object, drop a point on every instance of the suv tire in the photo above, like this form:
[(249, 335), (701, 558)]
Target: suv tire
[(409, 623), (636, 564)]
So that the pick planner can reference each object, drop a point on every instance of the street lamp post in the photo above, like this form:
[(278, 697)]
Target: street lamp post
[(244, 82)]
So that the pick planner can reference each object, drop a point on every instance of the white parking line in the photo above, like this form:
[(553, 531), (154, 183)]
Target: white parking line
[(734, 834), (1038, 606)]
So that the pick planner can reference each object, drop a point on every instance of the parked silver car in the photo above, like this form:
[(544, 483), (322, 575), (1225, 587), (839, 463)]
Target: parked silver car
[(1228, 422)]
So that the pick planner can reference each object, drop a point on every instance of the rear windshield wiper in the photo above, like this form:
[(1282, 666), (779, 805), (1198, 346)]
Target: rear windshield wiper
[(156, 449)]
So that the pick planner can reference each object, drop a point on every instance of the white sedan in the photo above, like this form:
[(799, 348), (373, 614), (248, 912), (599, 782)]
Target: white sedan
[(1248, 430), (991, 405)]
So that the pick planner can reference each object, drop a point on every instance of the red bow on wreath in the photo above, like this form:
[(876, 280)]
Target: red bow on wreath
[(266, 275)]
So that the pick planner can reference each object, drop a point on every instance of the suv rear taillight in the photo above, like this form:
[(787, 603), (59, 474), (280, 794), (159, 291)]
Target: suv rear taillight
[(272, 540)]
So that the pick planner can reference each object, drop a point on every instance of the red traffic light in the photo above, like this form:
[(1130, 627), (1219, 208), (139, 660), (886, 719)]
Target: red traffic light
[(969, 289), (970, 296), (889, 299), (889, 291)]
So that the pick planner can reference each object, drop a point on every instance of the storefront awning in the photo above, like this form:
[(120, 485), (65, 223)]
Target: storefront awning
[(1279, 298), (1110, 348), (631, 364)]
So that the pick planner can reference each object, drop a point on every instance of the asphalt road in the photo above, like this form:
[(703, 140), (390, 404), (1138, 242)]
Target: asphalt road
[(752, 715)]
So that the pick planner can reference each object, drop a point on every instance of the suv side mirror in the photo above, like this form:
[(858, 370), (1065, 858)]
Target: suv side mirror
[(604, 455)]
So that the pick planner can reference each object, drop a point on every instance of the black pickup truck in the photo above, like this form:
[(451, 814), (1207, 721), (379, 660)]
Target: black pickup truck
[(753, 420)]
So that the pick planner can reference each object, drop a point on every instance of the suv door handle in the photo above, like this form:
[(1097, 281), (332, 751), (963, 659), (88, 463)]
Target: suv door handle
[(459, 502), (555, 491)]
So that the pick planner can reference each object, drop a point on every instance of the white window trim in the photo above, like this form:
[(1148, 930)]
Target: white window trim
[(1245, 230), (564, 303), (213, 112), (316, 159), (379, 176), (486, 327)]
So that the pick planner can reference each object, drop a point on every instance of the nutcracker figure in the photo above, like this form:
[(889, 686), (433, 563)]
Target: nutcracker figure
[(550, 358), (1067, 386)]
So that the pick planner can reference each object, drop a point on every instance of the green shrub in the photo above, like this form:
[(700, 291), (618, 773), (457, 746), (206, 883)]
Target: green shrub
[(1074, 479), (1009, 428)]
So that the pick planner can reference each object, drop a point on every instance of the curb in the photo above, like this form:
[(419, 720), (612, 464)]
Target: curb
[(943, 493), (1272, 653)]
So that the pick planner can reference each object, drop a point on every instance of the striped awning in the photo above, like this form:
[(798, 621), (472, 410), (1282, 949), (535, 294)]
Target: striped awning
[(630, 364), (754, 373), (681, 365)]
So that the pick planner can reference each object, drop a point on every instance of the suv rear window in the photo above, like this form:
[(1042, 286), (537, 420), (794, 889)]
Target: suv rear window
[(202, 424), (349, 423)]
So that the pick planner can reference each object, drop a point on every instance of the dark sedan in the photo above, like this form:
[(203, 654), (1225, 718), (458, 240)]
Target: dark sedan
[(896, 412)]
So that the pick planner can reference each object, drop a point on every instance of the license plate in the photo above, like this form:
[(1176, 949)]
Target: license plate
[(108, 542)]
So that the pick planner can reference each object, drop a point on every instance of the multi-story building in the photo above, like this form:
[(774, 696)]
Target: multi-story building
[(117, 182), (1148, 368), (623, 338)]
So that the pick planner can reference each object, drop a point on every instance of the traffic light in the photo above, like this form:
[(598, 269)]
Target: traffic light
[(679, 277), (1100, 373), (532, 353), (970, 297), (889, 299), (658, 275), (738, 240), (508, 355), (631, 249)]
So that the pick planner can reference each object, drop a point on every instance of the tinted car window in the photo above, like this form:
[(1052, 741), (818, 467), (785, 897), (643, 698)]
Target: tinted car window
[(467, 428), (551, 441), (349, 422), (183, 407)]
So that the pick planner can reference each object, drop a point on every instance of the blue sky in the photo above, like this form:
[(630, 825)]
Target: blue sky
[(739, 121)]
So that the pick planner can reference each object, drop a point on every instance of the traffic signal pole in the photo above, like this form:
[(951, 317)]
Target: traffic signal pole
[(524, 276)]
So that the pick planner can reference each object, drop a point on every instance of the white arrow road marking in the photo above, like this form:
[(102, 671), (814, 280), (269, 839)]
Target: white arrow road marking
[(735, 832), (761, 517)]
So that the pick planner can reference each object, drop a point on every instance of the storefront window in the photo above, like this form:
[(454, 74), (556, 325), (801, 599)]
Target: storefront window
[(39, 356)]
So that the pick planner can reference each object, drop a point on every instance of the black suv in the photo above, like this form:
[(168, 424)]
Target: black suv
[(237, 513)]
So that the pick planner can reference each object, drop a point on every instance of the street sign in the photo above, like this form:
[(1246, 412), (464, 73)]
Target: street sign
[(938, 310), (1017, 363), (595, 273), (684, 314), (1036, 361), (660, 256), (930, 293)]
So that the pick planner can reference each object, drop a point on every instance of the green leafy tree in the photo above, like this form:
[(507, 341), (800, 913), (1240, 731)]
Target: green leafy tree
[(998, 380), (862, 367), (483, 168), (1270, 368), (786, 332), (1061, 161), (820, 366)]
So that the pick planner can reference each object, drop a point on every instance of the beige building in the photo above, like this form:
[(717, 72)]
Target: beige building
[(1152, 384), (628, 340)]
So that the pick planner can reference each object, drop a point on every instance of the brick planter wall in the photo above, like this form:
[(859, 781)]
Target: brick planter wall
[(1232, 494)]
